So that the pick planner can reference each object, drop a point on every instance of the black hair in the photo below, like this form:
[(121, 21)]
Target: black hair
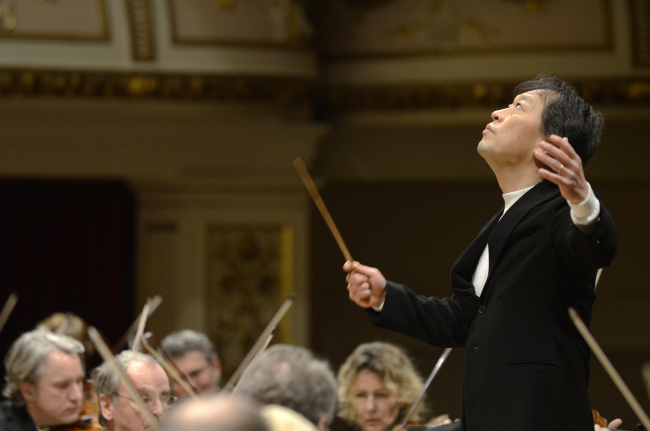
[(566, 114)]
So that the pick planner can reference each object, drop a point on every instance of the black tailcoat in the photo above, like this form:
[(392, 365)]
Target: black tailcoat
[(526, 365), (14, 418)]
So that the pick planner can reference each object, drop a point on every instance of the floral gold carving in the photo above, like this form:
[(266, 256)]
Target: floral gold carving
[(244, 287)]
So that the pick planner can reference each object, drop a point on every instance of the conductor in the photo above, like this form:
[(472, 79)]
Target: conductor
[(526, 366)]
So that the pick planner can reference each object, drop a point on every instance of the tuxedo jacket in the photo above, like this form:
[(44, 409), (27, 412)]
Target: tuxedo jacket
[(14, 418), (526, 365)]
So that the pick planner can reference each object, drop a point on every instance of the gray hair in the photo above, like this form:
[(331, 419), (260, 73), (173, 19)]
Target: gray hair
[(216, 413), (25, 360), (106, 381), (292, 377), (179, 343)]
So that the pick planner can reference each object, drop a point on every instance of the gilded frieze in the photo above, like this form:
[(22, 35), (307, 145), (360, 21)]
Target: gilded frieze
[(281, 91)]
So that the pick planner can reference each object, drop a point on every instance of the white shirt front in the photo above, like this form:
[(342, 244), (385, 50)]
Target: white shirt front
[(481, 271)]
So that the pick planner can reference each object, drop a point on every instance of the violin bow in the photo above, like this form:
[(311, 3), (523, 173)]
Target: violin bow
[(435, 370), (313, 191), (257, 355), (143, 321), (260, 343), (7, 309), (171, 369), (645, 372), (155, 302), (613, 374), (108, 357), (153, 342)]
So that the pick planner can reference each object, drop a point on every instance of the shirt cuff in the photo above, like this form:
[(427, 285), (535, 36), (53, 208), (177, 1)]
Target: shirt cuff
[(586, 211), (380, 307)]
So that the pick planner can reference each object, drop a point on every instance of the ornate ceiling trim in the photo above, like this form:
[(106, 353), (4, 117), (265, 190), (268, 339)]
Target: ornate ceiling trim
[(142, 32), (640, 20), (478, 95), (296, 91), (281, 91)]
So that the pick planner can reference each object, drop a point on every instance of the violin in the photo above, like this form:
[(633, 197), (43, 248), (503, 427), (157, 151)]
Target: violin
[(598, 419)]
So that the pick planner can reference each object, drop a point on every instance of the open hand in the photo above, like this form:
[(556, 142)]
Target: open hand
[(569, 174)]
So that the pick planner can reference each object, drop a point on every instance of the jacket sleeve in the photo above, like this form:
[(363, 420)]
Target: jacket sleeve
[(594, 251), (439, 322)]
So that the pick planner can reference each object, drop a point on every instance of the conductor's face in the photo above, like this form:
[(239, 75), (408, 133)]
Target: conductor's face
[(514, 132)]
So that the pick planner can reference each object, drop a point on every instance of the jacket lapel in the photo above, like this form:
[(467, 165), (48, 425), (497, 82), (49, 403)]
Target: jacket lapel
[(542, 192), (463, 270), (466, 263)]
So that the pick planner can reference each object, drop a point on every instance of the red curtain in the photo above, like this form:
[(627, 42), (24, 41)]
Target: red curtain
[(67, 246)]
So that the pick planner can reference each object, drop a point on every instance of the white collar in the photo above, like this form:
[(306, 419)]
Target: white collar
[(512, 197)]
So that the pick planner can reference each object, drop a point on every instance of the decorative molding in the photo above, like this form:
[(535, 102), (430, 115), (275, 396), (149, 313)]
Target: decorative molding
[(248, 278), (142, 32), (282, 91), (640, 27), (10, 24), (294, 91), (468, 95)]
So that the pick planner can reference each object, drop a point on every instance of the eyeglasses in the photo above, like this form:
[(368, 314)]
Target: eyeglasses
[(166, 401)]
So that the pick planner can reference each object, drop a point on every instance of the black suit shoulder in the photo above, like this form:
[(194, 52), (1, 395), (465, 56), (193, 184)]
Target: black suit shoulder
[(14, 418)]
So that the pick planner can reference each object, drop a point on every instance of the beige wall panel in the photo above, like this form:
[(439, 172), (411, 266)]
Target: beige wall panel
[(62, 19), (232, 59), (72, 54), (245, 21), (423, 26), (495, 66)]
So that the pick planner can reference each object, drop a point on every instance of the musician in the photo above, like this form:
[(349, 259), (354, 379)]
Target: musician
[(526, 365), (118, 410), (378, 385), (292, 377), (216, 413), (44, 382), (71, 325), (196, 357)]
